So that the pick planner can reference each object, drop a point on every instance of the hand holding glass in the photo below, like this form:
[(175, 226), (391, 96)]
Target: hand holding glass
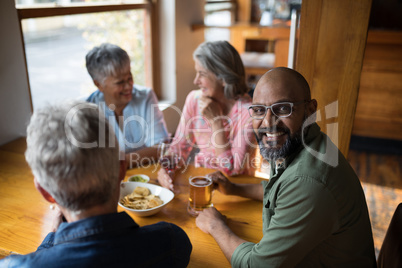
[(168, 159)]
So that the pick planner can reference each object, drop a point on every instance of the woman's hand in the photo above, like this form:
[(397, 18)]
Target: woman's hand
[(164, 179), (210, 109), (222, 184)]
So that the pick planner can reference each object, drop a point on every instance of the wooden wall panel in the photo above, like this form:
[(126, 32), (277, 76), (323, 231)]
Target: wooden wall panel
[(330, 55), (379, 105)]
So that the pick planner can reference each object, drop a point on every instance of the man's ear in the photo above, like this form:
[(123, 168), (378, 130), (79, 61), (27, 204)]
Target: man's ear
[(312, 106), (43, 192), (123, 169)]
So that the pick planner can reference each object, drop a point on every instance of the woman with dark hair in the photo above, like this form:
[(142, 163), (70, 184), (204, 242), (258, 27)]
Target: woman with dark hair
[(215, 120)]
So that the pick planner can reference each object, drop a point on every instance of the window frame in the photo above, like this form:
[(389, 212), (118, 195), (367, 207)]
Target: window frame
[(151, 28)]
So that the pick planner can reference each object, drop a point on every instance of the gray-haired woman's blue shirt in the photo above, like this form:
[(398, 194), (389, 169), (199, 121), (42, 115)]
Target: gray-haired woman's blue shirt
[(143, 125)]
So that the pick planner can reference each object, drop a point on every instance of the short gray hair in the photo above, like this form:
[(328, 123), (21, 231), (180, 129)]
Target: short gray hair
[(77, 178), (223, 60), (106, 60)]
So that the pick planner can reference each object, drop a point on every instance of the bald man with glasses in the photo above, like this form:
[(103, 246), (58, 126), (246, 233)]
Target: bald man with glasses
[(314, 209)]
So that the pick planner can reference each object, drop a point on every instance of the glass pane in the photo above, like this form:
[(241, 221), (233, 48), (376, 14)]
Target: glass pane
[(56, 47), (21, 3), (218, 18)]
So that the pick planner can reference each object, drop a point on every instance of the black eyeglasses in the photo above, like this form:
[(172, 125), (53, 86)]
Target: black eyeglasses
[(280, 109)]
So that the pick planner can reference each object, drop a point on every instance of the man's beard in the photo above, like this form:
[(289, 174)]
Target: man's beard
[(292, 143)]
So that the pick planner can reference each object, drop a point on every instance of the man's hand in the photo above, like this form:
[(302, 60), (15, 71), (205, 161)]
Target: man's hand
[(221, 183), (209, 219)]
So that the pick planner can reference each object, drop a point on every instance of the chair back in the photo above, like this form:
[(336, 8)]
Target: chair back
[(391, 249)]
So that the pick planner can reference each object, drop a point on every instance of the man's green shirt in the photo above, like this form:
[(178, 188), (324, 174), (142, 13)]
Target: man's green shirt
[(314, 213)]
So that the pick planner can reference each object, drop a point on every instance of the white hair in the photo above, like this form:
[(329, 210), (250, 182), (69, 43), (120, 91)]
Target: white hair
[(77, 177), (106, 60)]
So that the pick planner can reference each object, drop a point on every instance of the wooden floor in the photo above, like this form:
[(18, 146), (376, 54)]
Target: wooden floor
[(381, 177)]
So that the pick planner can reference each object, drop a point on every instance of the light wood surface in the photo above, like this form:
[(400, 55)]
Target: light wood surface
[(25, 217), (330, 56), (244, 216)]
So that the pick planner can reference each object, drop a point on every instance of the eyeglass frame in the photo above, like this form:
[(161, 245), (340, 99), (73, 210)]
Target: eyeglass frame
[(270, 107)]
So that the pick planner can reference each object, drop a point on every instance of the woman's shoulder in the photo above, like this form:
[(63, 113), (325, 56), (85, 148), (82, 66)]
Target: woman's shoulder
[(193, 95), (143, 95), (95, 97), (243, 102), (141, 91)]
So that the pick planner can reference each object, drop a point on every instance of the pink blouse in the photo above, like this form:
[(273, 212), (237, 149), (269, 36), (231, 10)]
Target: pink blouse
[(194, 132)]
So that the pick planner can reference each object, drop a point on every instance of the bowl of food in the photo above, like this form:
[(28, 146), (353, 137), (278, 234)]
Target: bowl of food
[(138, 178), (143, 199)]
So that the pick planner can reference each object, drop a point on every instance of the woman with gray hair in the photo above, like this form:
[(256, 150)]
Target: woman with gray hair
[(131, 109), (64, 145), (215, 119), (74, 157)]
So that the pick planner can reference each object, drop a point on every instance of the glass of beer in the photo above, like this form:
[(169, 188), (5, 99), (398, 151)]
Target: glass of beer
[(200, 194)]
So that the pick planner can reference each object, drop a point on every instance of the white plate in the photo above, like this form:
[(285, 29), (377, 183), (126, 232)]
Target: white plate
[(164, 194)]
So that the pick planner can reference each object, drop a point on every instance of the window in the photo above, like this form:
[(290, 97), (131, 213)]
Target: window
[(219, 13), (58, 34)]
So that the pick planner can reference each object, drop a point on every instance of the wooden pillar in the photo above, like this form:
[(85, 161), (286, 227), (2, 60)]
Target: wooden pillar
[(243, 11), (330, 55)]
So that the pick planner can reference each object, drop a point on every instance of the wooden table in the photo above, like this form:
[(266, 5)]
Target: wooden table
[(26, 218)]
